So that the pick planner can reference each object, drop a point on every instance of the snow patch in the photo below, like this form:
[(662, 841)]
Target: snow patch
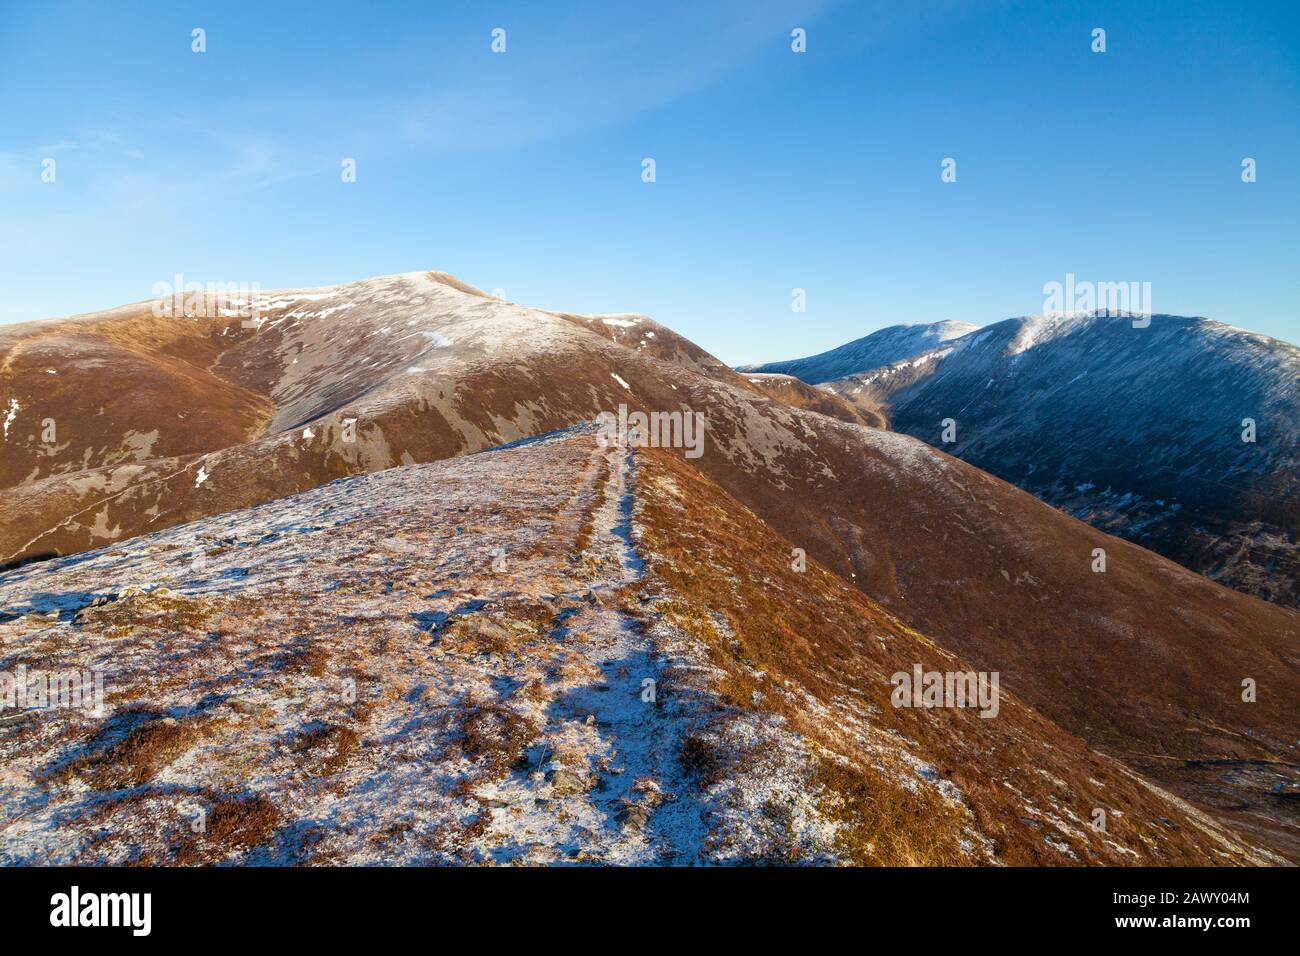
[(13, 413)]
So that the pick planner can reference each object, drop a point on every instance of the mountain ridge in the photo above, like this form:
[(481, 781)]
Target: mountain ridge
[(1136, 429), (545, 585), (882, 347), (412, 370)]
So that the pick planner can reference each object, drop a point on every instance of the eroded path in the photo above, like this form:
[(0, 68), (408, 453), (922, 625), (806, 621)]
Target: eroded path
[(605, 780), (448, 670)]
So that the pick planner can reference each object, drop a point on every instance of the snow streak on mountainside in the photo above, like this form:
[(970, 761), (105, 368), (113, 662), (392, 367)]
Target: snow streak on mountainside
[(884, 347), (1139, 431), (534, 655)]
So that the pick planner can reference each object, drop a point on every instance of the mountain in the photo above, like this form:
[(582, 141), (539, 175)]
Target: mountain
[(524, 656), (1138, 431), (325, 383), (884, 347), (789, 390), (1143, 663)]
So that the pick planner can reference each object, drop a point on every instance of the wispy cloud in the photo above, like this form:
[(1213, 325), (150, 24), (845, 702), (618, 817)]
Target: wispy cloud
[(579, 72)]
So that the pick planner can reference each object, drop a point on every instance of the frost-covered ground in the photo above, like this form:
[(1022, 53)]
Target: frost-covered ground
[(428, 664), (473, 662)]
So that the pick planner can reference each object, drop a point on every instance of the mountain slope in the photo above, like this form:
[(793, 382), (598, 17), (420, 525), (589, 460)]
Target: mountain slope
[(1144, 661), (449, 663), (884, 347), (796, 393), (164, 420), (1136, 430)]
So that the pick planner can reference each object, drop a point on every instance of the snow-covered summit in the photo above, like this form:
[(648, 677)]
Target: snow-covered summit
[(884, 347)]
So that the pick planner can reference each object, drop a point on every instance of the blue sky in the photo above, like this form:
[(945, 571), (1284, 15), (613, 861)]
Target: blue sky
[(775, 170)]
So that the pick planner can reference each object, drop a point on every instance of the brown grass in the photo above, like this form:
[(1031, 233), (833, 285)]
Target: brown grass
[(159, 609), (882, 824), (700, 759), (147, 748), (309, 658), (495, 736), (328, 747), (233, 824), (731, 586)]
